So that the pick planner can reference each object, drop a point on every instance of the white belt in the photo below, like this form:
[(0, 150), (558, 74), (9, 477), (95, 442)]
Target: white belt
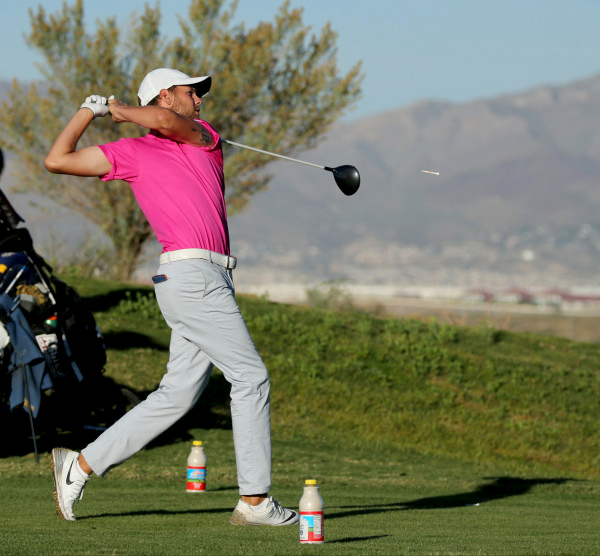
[(223, 260)]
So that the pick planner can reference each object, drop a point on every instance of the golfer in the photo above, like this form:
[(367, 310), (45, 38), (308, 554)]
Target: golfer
[(176, 174)]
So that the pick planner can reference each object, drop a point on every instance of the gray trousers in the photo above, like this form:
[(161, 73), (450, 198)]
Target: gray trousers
[(198, 302)]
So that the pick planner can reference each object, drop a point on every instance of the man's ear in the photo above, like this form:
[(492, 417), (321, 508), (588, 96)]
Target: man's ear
[(165, 98)]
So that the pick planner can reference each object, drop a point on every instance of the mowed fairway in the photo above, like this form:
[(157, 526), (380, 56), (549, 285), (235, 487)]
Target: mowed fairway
[(425, 439), (376, 503)]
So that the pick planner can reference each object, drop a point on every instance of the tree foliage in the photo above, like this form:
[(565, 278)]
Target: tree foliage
[(276, 86)]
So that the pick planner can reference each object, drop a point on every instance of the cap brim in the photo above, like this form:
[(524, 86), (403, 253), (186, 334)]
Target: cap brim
[(201, 84), (202, 87)]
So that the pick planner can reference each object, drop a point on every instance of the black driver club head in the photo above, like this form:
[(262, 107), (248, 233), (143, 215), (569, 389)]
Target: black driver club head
[(346, 177)]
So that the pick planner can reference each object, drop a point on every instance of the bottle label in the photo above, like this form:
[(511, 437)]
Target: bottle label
[(196, 479), (311, 527)]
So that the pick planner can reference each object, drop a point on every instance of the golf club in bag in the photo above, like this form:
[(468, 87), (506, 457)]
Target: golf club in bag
[(346, 177)]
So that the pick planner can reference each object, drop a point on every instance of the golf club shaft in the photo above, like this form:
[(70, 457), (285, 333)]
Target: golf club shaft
[(273, 154)]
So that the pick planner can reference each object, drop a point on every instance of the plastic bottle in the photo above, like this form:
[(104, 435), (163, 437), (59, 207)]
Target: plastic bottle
[(311, 514), (196, 468)]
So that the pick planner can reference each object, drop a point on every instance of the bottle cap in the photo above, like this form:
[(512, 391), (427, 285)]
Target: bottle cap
[(310, 482), (197, 443)]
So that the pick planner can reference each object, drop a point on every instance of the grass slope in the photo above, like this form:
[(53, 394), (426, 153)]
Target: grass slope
[(476, 394), (425, 438)]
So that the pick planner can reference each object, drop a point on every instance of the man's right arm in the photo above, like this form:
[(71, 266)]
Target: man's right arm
[(164, 120), (63, 157)]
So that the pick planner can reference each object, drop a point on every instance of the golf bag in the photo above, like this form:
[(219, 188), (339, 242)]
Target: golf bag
[(48, 340)]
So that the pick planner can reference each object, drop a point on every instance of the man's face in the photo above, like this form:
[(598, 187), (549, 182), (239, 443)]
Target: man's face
[(185, 102)]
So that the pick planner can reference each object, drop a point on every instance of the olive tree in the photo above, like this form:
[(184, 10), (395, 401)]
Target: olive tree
[(276, 85)]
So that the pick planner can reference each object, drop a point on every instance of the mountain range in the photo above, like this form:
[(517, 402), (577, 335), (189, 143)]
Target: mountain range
[(515, 202)]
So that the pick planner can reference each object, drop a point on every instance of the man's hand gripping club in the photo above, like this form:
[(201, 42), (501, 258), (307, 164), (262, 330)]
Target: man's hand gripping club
[(97, 104)]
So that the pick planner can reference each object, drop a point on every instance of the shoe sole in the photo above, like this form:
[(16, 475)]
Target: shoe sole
[(238, 518), (55, 493)]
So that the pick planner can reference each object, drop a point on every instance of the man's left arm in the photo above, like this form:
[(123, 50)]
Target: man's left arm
[(164, 120), (64, 158)]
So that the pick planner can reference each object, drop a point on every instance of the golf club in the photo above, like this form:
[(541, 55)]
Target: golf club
[(346, 177)]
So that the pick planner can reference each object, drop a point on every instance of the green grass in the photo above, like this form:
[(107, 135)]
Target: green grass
[(375, 503), (425, 438)]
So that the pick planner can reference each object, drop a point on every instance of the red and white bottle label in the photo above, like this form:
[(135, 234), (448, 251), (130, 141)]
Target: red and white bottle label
[(196, 479), (311, 527)]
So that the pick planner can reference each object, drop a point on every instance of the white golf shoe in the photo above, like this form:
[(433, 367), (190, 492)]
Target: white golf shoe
[(69, 481), (269, 512)]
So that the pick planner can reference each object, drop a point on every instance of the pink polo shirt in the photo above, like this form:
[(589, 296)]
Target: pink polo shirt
[(180, 188)]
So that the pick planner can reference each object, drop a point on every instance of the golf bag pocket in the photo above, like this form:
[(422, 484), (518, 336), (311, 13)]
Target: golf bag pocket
[(51, 350)]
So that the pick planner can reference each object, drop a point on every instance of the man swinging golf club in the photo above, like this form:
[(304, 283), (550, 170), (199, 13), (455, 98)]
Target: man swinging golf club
[(176, 174)]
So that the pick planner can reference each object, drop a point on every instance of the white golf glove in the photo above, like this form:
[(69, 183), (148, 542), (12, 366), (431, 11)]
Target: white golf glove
[(97, 104)]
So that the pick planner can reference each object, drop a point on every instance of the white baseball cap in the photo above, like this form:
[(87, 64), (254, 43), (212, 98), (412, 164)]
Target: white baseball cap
[(164, 78)]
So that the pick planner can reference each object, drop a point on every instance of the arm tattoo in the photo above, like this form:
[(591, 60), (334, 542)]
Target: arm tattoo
[(207, 138)]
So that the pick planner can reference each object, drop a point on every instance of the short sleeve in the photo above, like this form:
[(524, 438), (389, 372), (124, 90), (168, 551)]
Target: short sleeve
[(124, 162)]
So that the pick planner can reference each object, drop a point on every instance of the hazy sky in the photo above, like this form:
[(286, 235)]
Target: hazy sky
[(456, 50)]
